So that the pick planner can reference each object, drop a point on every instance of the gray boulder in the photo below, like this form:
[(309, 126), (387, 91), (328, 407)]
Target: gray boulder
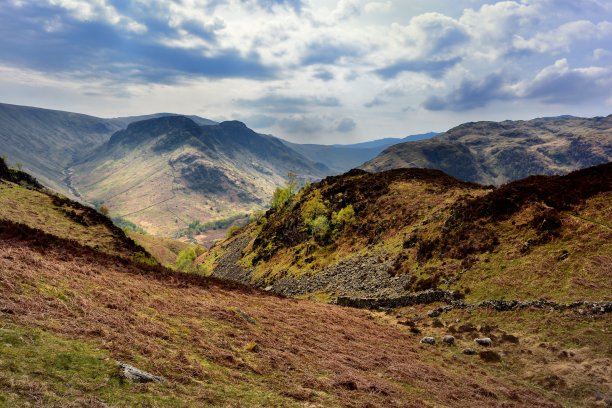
[(484, 341), (428, 340), (448, 339), (134, 374)]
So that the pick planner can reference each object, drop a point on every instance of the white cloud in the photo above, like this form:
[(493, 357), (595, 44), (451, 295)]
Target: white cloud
[(99, 10), (564, 36), (378, 6)]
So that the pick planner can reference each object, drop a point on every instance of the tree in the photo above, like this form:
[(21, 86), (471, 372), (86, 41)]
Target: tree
[(184, 260), (320, 227), (283, 194), (346, 216)]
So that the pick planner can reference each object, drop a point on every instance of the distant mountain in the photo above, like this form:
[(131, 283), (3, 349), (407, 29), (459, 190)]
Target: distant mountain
[(342, 158), (47, 141), (388, 141), (166, 172), (498, 152)]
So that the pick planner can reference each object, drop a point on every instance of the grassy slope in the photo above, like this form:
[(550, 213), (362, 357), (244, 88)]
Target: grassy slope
[(89, 310), (67, 219)]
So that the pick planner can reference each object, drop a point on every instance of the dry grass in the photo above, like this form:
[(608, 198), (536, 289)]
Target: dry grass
[(186, 329), (565, 355)]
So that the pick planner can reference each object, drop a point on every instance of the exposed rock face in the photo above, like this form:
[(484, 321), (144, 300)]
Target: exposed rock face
[(495, 153)]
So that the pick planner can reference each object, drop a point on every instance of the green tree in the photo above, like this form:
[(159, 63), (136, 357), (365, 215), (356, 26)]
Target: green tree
[(319, 227), (184, 260), (283, 194), (346, 216), (314, 207)]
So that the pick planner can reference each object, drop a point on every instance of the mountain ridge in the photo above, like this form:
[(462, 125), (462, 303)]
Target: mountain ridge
[(497, 152)]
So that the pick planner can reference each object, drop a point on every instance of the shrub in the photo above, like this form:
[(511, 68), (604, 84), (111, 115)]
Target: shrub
[(103, 210)]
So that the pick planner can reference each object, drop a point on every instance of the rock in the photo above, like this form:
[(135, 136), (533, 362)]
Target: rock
[(268, 288), (428, 340), (490, 356), (564, 255), (484, 341), (450, 340), (134, 374), (245, 315), (252, 346), (469, 351)]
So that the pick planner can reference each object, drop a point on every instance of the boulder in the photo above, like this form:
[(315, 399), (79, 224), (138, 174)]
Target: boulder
[(428, 340), (134, 374), (484, 341), (448, 339)]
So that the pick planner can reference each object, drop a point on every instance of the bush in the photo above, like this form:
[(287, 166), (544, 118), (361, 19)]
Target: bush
[(103, 210)]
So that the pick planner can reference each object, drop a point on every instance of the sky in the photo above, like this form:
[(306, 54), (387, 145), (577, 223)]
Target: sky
[(311, 71)]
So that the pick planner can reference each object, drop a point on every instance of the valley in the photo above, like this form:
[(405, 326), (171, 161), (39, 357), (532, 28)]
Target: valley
[(350, 290)]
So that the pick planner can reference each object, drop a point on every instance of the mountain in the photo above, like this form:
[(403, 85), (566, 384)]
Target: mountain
[(78, 302), (342, 158), (389, 141), (166, 172), (498, 152), (46, 142)]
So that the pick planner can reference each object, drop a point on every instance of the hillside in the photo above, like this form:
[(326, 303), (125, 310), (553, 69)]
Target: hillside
[(70, 309), (164, 173), (393, 233), (498, 152)]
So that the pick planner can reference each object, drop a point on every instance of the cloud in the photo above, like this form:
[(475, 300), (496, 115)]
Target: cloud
[(87, 45), (328, 51), (378, 6), (562, 37), (434, 68), (301, 124), (258, 121), (560, 84), (324, 75), (315, 124), (270, 4), (555, 84), (469, 95), (346, 125), (346, 9), (289, 104)]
